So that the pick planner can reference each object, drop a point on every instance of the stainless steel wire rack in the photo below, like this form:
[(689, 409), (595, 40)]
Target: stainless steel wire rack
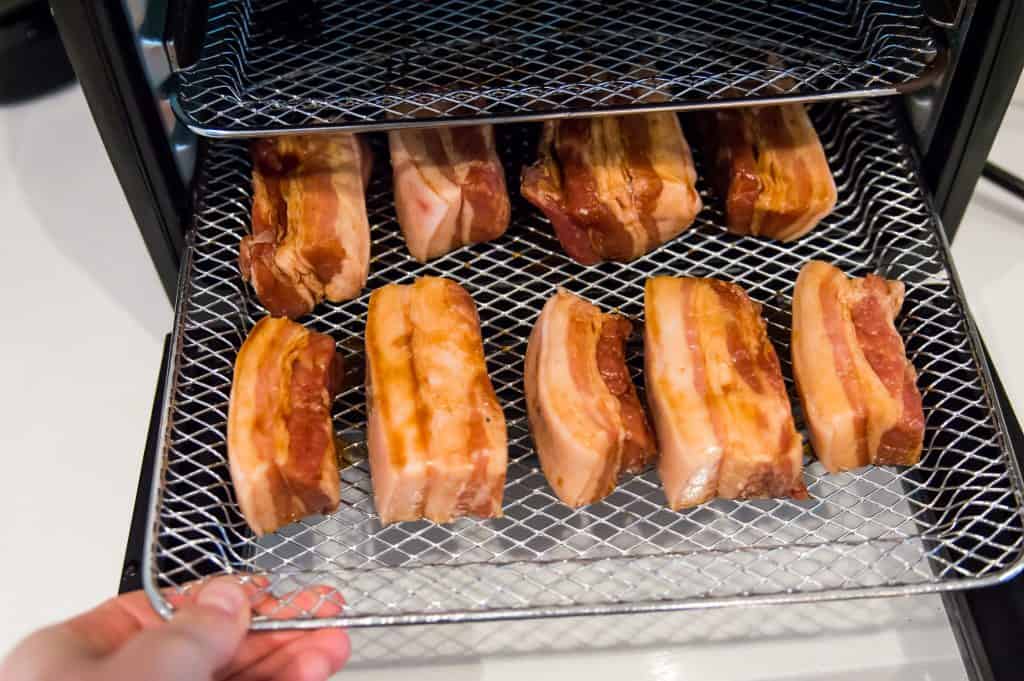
[(420, 645), (952, 521), (273, 67)]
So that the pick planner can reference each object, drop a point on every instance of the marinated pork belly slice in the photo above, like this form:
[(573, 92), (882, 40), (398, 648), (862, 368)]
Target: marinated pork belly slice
[(437, 439), (310, 235), (859, 391), (768, 164), (449, 188), (587, 422), (723, 421), (614, 187), (280, 436)]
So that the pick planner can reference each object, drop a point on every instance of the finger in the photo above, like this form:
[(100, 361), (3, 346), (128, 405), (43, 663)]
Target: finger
[(50, 653), (310, 667), (254, 585), (314, 601), (201, 638), (320, 601), (329, 645), (259, 647), (110, 624), (117, 620)]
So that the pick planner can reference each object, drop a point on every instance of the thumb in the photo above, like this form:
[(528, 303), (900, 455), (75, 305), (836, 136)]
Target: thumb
[(201, 638)]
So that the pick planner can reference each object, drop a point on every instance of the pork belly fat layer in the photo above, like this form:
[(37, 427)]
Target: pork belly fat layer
[(614, 187), (723, 421), (280, 436), (858, 389), (587, 422), (310, 234), (437, 438), (769, 166), (449, 188)]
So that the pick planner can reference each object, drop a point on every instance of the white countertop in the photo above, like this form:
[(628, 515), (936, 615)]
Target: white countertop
[(86, 318)]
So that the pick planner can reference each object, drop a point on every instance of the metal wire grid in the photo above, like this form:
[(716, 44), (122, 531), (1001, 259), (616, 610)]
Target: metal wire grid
[(285, 66), (419, 645), (952, 521)]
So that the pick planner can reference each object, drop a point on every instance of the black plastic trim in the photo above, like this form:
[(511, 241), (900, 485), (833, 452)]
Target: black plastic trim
[(101, 47), (185, 31), (945, 13), (1004, 178), (984, 80), (131, 575), (988, 622), (968, 639)]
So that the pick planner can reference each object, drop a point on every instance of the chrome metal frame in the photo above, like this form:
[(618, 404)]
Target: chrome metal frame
[(278, 68)]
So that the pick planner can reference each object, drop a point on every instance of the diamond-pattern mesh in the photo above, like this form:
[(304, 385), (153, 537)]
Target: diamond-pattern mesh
[(273, 66), (419, 645), (952, 521)]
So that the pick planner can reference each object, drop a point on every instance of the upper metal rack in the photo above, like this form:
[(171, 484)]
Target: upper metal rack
[(278, 67)]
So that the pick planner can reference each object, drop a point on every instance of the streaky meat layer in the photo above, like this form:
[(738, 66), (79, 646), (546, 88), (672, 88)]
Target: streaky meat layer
[(587, 422), (718, 401), (310, 234), (614, 187), (769, 165), (280, 437), (859, 391), (449, 188), (436, 434)]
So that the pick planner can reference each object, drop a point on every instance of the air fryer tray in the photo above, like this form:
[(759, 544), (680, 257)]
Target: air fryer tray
[(953, 521), (285, 66)]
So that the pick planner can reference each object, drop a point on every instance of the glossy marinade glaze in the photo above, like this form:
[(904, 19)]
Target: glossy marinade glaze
[(310, 237), (770, 168), (281, 447), (449, 188), (614, 187), (586, 419), (724, 423), (858, 390), (436, 433)]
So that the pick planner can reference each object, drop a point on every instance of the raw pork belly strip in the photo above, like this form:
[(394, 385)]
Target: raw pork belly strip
[(449, 188), (280, 436), (724, 424), (858, 390), (310, 235), (614, 187), (586, 419), (768, 164), (437, 440)]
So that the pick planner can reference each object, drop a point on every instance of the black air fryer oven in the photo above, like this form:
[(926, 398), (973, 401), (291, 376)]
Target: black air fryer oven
[(907, 97)]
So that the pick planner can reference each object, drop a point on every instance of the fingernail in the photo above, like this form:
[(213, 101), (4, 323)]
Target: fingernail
[(225, 595)]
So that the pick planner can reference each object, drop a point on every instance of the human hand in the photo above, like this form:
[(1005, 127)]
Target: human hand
[(208, 638)]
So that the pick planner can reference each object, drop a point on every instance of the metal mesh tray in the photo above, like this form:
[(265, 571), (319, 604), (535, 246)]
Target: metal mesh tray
[(953, 521), (422, 645), (269, 67)]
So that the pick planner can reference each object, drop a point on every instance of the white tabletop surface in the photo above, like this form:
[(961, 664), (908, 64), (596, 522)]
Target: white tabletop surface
[(85, 318)]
